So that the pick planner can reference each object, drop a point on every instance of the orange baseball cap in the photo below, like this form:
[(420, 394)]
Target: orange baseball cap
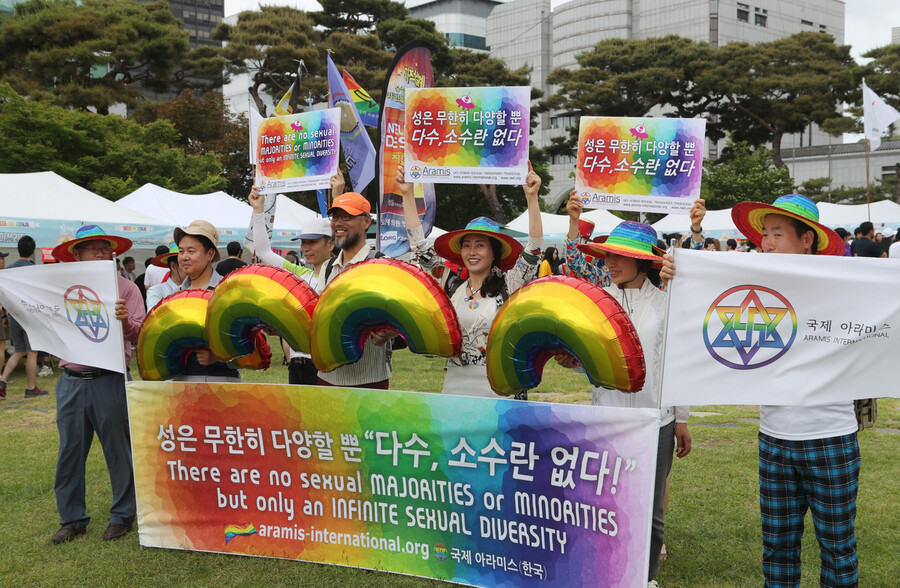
[(351, 202)]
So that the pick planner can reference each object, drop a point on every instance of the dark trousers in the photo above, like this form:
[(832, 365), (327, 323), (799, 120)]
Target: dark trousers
[(302, 370), (382, 385), (84, 407)]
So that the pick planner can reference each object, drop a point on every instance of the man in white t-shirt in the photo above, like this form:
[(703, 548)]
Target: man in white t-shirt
[(808, 455)]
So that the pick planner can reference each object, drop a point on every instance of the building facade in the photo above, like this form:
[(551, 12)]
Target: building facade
[(462, 22), (531, 32)]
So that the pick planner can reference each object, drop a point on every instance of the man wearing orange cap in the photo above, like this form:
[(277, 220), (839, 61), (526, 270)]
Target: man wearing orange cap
[(90, 400)]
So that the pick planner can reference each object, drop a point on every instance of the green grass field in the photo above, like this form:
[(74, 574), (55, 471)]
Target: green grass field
[(712, 526)]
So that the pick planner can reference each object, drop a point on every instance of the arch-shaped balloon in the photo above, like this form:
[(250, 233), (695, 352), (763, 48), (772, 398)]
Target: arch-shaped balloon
[(176, 327), (253, 296), (561, 313), (382, 294)]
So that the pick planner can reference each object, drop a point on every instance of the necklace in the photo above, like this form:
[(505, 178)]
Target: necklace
[(470, 298)]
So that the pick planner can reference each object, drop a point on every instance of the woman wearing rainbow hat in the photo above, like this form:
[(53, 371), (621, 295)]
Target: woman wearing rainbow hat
[(497, 266), (636, 266)]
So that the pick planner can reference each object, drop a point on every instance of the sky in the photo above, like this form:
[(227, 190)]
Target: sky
[(868, 22)]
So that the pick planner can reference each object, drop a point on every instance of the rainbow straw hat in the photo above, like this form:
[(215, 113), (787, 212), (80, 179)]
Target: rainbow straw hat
[(748, 217), (449, 244), (63, 251), (163, 260), (630, 239)]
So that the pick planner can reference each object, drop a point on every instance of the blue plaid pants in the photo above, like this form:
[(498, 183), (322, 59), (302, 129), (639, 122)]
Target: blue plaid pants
[(821, 475)]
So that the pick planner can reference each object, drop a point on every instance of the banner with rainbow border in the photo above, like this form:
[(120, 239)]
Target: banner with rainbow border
[(298, 152), (644, 164), (467, 135), (486, 492)]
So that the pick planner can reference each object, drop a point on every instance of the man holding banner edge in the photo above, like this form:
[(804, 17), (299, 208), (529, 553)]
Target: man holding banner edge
[(808, 456)]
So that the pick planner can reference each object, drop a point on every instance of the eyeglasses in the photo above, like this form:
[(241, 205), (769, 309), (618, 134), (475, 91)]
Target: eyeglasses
[(343, 216)]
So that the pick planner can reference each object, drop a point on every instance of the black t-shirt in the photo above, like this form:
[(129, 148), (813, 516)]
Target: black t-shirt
[(867, 248), (226, 266)]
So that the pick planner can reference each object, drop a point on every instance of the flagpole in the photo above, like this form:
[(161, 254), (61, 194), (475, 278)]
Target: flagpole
[(122, 346), (868, 208)]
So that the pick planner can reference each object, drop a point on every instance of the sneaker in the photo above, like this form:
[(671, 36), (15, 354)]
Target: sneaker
[(45, 371), (35, 392), (2, 389)]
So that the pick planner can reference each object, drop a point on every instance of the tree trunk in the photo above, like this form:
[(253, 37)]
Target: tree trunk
[(490, 194), (776, 149)]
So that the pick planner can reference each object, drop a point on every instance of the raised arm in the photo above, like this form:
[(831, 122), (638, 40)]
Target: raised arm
[(535, 225), (261, 245)]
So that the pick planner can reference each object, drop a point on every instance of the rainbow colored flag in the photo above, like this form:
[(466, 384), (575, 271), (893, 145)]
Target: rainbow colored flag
[(232, 531), (284, 106), (365, 106)]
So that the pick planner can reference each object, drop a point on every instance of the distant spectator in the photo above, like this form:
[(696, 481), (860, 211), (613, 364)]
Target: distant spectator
[(857, 233), (550, 265), (3, 334), (293, 257), (731, 245), (233, 261), (888, 237), (128, 269), (845, 235), (894, 250), (154, 274), (19, 336), (865, 246), (711, 244), (139, 281)]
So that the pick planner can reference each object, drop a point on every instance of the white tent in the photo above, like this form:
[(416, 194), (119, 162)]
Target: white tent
[(230, 216), (50, 208), (604, 221), (290, 213), (555, 225), (717, 223), (849, 216)]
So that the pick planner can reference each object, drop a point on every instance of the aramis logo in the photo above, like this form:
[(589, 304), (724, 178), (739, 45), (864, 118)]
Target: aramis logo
[(415, 172), (440, 551), (585, 197), (85, 311), (749, 327)]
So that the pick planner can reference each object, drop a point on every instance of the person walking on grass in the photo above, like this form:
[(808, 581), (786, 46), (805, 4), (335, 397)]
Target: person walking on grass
[(18, 335)]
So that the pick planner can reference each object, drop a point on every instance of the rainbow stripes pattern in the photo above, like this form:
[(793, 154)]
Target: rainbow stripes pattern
[(562, 313), (232, 531)]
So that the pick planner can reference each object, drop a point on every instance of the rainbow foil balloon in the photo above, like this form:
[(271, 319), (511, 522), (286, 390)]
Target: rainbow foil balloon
[(382, 294), (253, 297), (175, 328), (561, 313)]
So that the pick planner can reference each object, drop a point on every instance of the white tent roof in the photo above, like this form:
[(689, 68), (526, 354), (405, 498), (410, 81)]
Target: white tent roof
[(292, 213), (604, 220), (50, 208), (554, 224), (179, 209), (717, 223), (46, 195), (849, 216)]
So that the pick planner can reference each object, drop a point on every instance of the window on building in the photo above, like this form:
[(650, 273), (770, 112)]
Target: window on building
[(760, 20), (808, 23), (822, 28), (743, 15), (714, 8), (562, 159)]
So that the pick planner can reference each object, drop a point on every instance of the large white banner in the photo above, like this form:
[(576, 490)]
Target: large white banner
[(68, 310), (780, 329)]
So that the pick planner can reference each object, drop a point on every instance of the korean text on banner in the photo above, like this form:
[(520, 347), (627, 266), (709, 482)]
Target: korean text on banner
[(780, 329), (68, 310), (467, 135), (298, 152), (411, 68), (503, 493), (644, 164)]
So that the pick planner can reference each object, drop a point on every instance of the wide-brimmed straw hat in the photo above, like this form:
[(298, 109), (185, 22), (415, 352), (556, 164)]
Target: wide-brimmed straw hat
[(163, 259), (63, 251), (449, 244), (200, 228), (630, 239), (749, 217)]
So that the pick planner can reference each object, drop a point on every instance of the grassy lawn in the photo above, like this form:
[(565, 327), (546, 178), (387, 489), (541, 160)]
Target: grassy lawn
[(713, 529)]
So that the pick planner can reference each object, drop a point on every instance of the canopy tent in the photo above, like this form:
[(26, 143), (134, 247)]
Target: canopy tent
[(604, 221), (717, 224), (885, 213), (50, 208), (555, 226), (230, 216)]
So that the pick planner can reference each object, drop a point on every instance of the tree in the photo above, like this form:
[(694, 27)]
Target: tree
[(204, 126), (743, 174), (631, 77), (357, 16), (268, 43), (108, 155), (96, 53), (766, 90), (882, 73)]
